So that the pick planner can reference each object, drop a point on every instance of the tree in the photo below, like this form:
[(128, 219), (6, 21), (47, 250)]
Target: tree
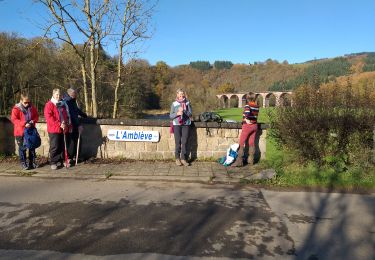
[(223, 65), (93, 21), (133, 18), (201, 65)]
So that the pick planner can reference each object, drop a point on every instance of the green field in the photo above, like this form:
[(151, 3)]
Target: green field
[(236, 114)]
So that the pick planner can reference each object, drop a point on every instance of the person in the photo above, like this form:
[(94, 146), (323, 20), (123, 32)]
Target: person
[(74, 112), (58, 125), (24, 115), (180, 115), (249, 130)]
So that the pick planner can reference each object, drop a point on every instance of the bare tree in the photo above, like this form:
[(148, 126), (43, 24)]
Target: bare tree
[(133, 18), (92, 20)]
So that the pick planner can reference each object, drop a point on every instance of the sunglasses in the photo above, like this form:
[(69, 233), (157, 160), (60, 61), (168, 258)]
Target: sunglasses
[(27, 102)]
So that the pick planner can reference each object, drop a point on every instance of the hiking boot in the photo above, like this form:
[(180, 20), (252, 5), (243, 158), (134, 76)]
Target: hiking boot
[(33, 165), (24, 166), (239, 159), (53, 166), (250, 157), (178, 162), (185, 163)]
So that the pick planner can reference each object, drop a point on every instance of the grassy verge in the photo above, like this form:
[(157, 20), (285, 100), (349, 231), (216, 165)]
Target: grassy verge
[(290, 173), (293, 174)]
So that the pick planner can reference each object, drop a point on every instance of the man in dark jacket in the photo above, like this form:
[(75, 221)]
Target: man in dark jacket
[(75, 112)]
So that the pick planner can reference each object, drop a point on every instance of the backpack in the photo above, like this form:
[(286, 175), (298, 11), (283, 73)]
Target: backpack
[(232, 154), (210, 117), (31, 138)]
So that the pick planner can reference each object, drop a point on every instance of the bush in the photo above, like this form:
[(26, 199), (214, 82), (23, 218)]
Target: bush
[(332, 126)]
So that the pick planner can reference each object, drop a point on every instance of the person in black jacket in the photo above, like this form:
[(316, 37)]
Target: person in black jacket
[(75, 112)]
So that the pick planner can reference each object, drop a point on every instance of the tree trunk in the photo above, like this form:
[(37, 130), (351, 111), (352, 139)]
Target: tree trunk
[(119, 64), (93, 79), (85, 90)]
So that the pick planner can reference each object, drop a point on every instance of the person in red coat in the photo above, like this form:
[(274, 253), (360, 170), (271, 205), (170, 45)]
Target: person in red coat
[(58, 124), (24, 115)]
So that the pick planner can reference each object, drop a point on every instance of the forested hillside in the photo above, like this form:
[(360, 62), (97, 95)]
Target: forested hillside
[(38, 65)]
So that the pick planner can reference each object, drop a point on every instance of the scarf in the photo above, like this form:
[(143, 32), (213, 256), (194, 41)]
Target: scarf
[(25, 110), (59, 104), (182, 102)]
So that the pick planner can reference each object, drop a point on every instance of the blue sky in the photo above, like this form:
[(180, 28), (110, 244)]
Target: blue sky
[(241, 31)]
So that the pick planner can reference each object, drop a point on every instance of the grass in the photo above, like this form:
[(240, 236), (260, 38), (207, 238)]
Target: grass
[(291, 173), (236, 114)]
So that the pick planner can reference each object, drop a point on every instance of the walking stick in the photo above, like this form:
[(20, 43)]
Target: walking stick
[(66, 153), (79, 139)]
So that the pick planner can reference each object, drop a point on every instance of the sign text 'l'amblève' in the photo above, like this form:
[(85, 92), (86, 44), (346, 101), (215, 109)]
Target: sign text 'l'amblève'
[(133, 135)]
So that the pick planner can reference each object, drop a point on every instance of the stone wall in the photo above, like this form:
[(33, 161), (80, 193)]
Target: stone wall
[(207, 141)]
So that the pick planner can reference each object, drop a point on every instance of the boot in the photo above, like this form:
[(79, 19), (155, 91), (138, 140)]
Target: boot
[(239, 160), (178, 162), (184, 162), (250, 157)]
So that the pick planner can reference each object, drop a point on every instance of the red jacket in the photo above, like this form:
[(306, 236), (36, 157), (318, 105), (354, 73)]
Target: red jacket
[(19, 121), (52, 115)]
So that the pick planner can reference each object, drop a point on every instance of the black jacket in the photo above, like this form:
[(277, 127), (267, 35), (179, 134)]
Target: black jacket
[(74, 110)]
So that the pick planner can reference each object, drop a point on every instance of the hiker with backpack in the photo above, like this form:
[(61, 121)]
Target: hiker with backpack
[(180, 115), (74, 112), (249, 130), (58, 125), (24, 116)]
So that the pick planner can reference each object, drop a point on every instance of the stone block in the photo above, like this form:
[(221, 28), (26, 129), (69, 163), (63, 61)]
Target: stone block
[(150, 147), (135, 146), (232, 133), (212, 143), (168, 155), (163, 146), (151, 155), (205, 154), (120, 146)]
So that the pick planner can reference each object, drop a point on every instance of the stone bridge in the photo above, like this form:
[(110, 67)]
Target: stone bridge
[(264, 99)]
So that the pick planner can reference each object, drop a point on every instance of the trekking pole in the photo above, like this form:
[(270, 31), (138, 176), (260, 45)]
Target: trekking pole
[(66, 153), (79, 139)]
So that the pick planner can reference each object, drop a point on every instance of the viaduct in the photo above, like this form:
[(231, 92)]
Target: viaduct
[(264, 99)]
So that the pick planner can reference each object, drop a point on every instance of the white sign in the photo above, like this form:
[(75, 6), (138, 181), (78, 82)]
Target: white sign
[(133, 135)]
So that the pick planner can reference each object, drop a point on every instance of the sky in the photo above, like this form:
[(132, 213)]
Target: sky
[(240, 31)]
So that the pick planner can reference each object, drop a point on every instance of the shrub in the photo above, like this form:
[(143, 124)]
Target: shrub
[(332, 126)]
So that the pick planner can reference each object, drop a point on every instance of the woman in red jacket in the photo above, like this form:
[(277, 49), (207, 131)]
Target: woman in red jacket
[(58, 124), (24, 115)]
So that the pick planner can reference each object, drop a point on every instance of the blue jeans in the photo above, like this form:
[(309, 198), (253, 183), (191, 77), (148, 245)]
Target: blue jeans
[(22, 151)]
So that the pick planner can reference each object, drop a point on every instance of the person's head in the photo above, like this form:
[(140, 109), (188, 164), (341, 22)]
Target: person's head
[(56, 94), (24, 99), (180, 94), (251, 97), (72, 93)]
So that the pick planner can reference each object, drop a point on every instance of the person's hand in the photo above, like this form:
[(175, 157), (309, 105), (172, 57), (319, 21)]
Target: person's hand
[(28, 125), (31, 122), (179, 113), (63, 125), (80, 129), (180, 109)]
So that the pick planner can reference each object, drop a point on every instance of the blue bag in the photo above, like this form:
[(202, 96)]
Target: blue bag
[(31, 138)]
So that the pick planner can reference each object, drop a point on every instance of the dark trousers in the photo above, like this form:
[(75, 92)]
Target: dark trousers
[(72, 141), (56, 148), (181, 135), (22, 151)]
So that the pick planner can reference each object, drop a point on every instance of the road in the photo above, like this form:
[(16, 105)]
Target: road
[(91, 219)]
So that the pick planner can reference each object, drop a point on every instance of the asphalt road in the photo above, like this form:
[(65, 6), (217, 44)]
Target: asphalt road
[(75, 219)]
